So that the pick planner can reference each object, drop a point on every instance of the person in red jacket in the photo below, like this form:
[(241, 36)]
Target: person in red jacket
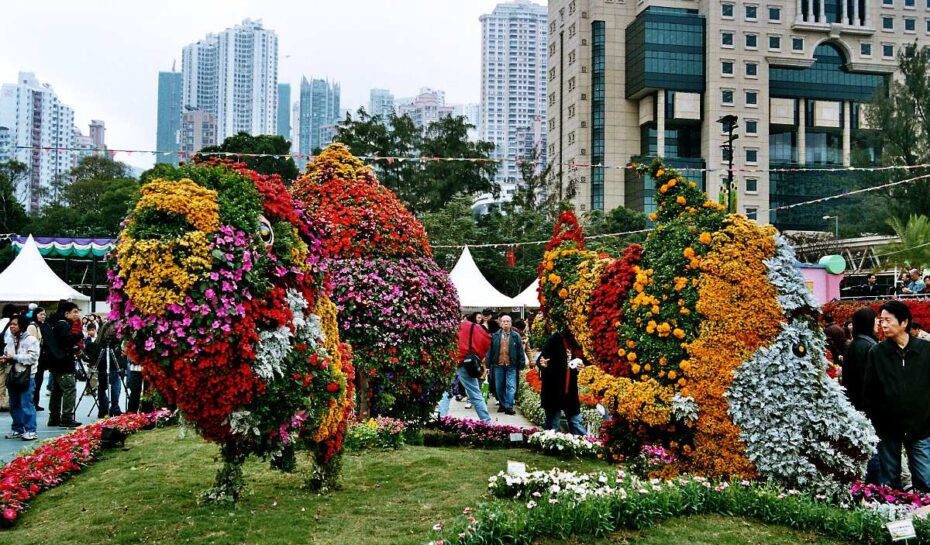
[(472, 339)]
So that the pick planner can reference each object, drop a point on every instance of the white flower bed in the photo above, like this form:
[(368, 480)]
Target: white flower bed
[(565, 444)]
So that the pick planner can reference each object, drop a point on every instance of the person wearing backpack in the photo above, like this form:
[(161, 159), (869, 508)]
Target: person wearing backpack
[(474, 342), (62, 345)]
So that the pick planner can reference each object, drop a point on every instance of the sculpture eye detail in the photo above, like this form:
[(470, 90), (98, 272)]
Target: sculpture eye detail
[(265, 231), (799, 349)]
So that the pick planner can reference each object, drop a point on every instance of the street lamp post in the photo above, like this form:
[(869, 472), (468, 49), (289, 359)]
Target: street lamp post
[(729, 123), (836, 225)]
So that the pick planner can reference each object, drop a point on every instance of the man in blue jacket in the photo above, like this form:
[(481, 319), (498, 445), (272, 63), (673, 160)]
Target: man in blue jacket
[(506, 358)]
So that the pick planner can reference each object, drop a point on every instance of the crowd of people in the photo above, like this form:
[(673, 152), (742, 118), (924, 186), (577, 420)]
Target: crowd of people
[(67, 348), (888, 380), (502, 345)]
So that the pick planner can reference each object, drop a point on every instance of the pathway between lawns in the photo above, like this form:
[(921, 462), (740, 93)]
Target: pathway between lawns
[(457, 410), (9, 448)]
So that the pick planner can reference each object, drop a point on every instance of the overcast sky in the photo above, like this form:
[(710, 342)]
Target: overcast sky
[(102, 57)]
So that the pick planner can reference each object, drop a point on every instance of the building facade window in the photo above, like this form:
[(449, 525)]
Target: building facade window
[(774, 14), (752, 156), (752, 98), (888, 51), (775, 42), (910, 24), (865, 48), (797, 44), (752, 41), (752, 13), (598, 90), (726, 68), (910, 4), (887, 23), (752, 127), (726, 10), (752, 70), (726, 97), (888, 3), (752, 213), (752, 185), (726, 39)]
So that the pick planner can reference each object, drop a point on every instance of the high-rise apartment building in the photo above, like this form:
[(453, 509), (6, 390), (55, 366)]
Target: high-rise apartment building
[(170, 91), (631, 81), (6, 144), (98, 130), (380, 102), (42, 133), (198, 130), (234, 76), (514, 37), (472, 114), (319, 106), (284, 110), (427, 107)]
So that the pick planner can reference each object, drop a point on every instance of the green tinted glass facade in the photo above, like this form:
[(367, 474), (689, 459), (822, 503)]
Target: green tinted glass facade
[(598, 66), (827, 79), (665, 50)]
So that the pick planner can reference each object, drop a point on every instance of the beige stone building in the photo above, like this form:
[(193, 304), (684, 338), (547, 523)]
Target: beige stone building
[(629, 80)]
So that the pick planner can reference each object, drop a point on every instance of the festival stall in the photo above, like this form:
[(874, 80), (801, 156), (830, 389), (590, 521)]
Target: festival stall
[(475, 292), (29, 279)]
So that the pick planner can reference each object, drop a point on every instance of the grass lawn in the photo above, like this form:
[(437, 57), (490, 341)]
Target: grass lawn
[(148, 494)]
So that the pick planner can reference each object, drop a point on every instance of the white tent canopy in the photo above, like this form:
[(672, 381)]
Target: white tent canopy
[(29, 278), (529, 297), (474, 289)]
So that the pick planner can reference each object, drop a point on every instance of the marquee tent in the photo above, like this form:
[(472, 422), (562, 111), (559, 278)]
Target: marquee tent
[(529, 297), (29, 278), (474, 289)]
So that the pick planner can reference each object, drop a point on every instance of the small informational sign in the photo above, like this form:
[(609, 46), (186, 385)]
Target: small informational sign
[(516, 468), (901, 530), (516, 437)]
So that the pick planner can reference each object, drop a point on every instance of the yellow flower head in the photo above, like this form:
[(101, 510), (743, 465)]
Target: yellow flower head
[(681, 200), (704, 238)]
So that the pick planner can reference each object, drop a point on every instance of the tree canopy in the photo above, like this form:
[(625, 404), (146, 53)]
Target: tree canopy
[(273, 145)]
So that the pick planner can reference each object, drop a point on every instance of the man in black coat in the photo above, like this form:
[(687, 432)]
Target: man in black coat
[(895, 397), (560, 382), (62, 346)]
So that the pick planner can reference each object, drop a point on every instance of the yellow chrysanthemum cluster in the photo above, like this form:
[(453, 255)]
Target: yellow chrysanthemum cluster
[(739, 308), (338, 163), (578, 312), (159, 273), (645, 401), (329, 422), (185, 198)]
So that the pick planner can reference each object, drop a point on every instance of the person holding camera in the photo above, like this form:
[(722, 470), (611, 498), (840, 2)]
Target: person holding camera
[(559, 364), (21, 357)]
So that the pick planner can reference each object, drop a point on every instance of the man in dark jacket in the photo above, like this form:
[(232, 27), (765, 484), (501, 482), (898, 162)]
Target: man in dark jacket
[(62, 347), (895, 397), (505, 359), (560, 382)]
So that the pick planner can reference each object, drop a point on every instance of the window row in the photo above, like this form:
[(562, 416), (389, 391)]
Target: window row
[(750, 69), (910, 24), (751, 12), (751, 41), (909, 4), (750, 98), (751, 155)]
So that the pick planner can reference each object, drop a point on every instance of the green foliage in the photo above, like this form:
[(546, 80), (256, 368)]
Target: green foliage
[(282, 165), (371, 434), (912, 250), (90, 202), (617, 220), (13, 216), (427, 186), (236, 193), (901, 114)]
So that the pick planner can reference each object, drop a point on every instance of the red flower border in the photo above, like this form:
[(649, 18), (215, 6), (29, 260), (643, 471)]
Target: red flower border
[(54, 462)]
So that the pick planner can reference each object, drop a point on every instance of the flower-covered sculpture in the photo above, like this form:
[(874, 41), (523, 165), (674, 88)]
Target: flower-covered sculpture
[(397, 308), (705, 341), (217, 282)]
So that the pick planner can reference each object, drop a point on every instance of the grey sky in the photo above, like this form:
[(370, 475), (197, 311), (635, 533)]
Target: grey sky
[(102, 57)]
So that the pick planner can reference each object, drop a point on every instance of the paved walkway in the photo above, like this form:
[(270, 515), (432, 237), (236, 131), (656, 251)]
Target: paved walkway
[(457, 410), (10, 448)]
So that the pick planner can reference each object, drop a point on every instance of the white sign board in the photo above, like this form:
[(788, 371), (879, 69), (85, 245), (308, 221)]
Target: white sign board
[(516, 468), (516, 437), (901, 529)]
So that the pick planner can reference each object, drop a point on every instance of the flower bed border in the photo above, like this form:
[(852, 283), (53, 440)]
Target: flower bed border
[(53, 462)]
